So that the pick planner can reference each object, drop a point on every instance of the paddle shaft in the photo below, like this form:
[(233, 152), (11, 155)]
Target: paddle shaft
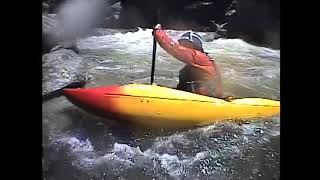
[(153, 58), (156, 16)]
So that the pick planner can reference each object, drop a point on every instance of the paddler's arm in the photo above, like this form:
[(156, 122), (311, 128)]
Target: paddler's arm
[(186, 55)]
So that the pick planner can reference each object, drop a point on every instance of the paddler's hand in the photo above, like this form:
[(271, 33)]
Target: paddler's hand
[(157, 27), (229, 98)]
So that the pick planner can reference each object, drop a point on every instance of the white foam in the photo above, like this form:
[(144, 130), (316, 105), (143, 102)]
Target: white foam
[(107, 68), (162, 154), (82, 151), (134, 42)]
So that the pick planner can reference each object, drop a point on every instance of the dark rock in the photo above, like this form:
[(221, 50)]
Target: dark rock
[(53, 5), (111, 20), (45, 7), (257, 22), (178, 14), (75, 19), (60, 69)]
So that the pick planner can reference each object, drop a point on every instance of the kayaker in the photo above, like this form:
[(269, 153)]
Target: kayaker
[(200, 74)]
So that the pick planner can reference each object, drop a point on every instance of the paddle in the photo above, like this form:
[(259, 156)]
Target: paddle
[(153, 58), (156, 15)]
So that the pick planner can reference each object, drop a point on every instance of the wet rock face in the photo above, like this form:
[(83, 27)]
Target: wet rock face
[(49, 6), (48, 41), (73, 19), (176, 14), (173, 14), (62, 68), (257, 22)]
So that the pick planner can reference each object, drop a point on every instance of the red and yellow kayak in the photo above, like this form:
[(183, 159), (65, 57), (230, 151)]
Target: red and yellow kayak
[(157, 106)]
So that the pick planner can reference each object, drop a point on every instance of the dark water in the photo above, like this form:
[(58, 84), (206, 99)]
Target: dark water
[(77, 145)]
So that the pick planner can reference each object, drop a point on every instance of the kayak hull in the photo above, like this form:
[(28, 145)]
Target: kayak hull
[(156, 106)]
